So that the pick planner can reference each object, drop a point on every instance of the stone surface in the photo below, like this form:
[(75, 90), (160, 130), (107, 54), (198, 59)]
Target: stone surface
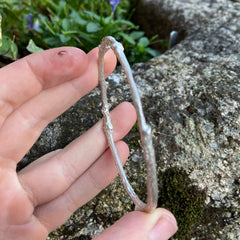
[(191, 98)]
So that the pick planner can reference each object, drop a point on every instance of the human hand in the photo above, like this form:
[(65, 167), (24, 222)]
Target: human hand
[(42, 196)]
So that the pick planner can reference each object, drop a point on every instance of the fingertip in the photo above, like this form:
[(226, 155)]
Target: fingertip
[(129, 107), (57, 65), (158, 225), (165, 226), (110, 60)]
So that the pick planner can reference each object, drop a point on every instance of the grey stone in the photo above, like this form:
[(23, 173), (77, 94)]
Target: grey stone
[(191, 98)]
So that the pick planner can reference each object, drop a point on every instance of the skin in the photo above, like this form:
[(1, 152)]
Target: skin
[(33, 205)]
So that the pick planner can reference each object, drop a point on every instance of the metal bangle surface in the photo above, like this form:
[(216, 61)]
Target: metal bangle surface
[(144, 128)]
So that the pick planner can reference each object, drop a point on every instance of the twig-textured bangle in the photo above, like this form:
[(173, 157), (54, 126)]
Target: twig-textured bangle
[(144, 129)]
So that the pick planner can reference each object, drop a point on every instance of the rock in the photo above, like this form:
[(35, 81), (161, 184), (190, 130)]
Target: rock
[(191, 98)]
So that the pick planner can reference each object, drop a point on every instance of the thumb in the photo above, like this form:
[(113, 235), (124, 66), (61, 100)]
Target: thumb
[(159, 225)]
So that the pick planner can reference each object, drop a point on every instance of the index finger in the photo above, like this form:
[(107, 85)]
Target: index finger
[(25, 78), (22, 128)]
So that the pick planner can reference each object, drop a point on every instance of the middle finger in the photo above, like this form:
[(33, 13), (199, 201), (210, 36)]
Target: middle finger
[(67, 165)]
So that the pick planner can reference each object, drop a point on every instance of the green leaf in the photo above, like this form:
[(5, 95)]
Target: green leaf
[(81, 21), (66, 24), (8, 48), (128, 38), (86, 36), (108, 19), (0, 30), (92, 15), (71, 32), (6, 45), (152, 52), (77, 19), (144, 41), (32, 47), (14, 50), (47, 23), (64, 38), (140, 48), (137, 34), (93, 27), (52, 41), (155, 37), (125, 22)]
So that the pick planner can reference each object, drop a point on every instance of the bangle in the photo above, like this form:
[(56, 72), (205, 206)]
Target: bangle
[(144, 128)]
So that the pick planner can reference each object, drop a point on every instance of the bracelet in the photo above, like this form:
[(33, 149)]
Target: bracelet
[(144, 128)]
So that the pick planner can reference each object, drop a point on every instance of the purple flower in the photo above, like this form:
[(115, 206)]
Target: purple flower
[(30, 20), (31, 23), (114, 3)]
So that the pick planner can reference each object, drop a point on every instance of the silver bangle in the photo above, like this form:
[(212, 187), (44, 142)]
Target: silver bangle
[(144, 129)]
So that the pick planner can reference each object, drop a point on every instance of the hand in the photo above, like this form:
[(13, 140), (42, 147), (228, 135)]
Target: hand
[(42, 196)]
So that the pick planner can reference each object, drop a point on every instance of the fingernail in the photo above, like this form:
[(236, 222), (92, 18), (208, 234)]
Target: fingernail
[(165, 227)]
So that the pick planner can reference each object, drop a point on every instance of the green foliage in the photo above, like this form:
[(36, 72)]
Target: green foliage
[(0, 30), (10, 22), (8, 48), (54, 23), (32, 47), (7, 45)]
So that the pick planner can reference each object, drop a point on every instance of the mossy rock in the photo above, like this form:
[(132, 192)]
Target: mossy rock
[(178, 194)]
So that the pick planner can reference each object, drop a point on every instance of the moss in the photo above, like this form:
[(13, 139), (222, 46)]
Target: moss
[(135, 127), (177, 193), (195, 219), (133, 137)]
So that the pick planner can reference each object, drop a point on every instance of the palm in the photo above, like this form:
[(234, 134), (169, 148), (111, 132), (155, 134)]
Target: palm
[(17, 219)]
